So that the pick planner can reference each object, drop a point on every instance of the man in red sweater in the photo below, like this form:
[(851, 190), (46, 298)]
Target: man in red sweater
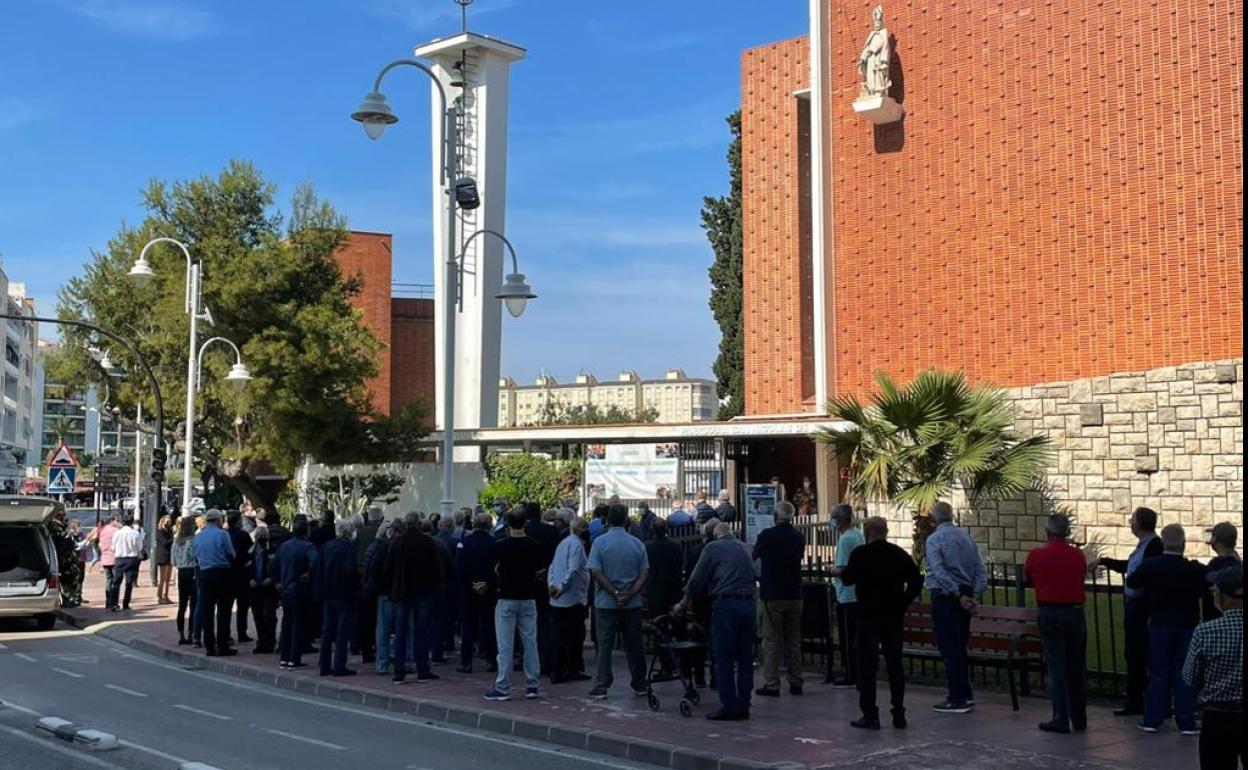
[(1056, 571)]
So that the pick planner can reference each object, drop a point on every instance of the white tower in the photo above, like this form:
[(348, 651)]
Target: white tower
[(482, 64)]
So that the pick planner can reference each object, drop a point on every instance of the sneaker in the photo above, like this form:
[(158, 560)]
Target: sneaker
[(398, 680), (768, 692), (497, 694), (1190, 731), (1146, 728), (284, 664), (844, 684), (428, 676), (598, 693), (532, 693), (952, 707), (640, 692), (866, 723)]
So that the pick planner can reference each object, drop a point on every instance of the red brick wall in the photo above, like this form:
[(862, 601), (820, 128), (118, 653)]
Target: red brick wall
[(370, 256), (411, 353), (1063, 200), (771, 166)]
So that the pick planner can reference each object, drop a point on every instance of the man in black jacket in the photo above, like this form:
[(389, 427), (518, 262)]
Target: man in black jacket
[(475, 560), (887, 581), (336, 586), (413, 572), (780, 549), (547, 628), (1135, 609), (1173, 588), (240, 572)]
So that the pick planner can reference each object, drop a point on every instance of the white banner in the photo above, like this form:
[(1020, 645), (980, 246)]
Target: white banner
[(760, 509), (632, 471)]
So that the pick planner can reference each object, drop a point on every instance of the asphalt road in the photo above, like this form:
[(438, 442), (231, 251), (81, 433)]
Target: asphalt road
[(166, 716)]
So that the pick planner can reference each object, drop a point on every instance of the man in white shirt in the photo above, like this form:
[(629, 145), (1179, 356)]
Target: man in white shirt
[(128, 550), (568, 580)]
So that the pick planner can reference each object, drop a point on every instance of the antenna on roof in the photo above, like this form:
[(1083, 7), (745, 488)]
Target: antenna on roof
[(463, 12)]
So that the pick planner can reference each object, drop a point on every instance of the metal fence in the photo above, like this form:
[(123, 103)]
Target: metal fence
[(1006, 588)]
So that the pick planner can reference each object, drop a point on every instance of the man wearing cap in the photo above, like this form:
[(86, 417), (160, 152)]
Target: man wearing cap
[(1173, 586), (1221, 538), (1056, 571), (215, 554), (848, 537), (1215, 670)]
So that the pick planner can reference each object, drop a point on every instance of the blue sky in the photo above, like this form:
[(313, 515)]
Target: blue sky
[(616, 134)]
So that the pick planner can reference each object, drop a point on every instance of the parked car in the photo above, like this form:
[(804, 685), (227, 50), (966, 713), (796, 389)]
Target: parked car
[(30, 583)]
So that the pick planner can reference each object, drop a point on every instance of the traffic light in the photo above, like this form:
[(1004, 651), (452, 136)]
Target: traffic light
[(158, 464)]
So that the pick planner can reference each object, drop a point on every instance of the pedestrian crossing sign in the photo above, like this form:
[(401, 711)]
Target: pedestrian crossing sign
[(61, 480)]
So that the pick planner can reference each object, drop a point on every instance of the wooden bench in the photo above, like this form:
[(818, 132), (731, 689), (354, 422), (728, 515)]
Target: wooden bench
[(999, 635)]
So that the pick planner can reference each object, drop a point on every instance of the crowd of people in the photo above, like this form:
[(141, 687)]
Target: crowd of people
[(518, 588)]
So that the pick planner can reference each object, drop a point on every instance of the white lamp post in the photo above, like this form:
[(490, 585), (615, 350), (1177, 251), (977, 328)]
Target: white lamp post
[(142, 273), (375, 115)]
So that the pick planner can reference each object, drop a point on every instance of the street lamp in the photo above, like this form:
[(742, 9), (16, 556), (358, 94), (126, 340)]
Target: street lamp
[(142, 273), (375, 115), (514, 292), (238, 375)]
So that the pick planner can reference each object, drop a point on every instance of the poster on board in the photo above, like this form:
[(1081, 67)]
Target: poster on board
[(632, 471), (760, 509)]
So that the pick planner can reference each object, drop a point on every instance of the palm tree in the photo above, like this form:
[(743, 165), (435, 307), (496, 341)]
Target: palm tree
[(913, 445)]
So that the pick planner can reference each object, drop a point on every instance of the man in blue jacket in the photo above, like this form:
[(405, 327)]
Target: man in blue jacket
[(336, 585), (293, 567)]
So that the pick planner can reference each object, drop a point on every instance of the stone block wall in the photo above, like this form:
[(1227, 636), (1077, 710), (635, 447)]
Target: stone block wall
[(1171, 439)]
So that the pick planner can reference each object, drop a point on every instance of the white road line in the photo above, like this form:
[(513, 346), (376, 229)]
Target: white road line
[(313, 741), (66, 672), (128, 744), (384, 716), (79, 757), (4, 647), (202, 713), (25, 657), (154, 752), (126, 690)]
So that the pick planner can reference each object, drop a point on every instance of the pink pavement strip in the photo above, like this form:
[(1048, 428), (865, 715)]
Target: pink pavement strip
[(808, 731)]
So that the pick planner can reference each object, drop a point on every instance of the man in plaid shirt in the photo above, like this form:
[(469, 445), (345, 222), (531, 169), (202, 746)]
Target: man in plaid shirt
[(1215, 669)]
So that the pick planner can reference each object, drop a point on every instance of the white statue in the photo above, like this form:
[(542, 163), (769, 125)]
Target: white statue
[(874, 61)]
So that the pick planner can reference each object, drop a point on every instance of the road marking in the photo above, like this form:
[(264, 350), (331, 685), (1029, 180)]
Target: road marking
[(25, 657), (66, 672), (154, 752), (384, 716), (78, 756), (4, 646), (127, 691), (313, 741), (201, 712)]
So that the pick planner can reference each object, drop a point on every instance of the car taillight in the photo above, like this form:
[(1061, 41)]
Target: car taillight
[(54, 583)]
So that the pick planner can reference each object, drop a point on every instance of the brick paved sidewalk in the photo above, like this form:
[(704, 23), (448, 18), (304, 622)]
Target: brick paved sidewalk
[(809, 731)]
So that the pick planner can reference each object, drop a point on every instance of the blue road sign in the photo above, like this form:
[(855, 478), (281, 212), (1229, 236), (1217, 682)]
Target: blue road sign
[(61, 480)]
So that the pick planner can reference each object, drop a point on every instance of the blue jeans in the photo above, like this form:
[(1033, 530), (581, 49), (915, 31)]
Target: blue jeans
[(385, 627), (511, 615), (337, 623), (952, 625), (412, 619), (734, 628), (1167, 649)]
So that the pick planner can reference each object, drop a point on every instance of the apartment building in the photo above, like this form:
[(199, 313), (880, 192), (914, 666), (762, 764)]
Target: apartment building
[(676, 397), (18, 435)]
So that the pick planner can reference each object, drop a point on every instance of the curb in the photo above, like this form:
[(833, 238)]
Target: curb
[(67, 731), (593, 741)]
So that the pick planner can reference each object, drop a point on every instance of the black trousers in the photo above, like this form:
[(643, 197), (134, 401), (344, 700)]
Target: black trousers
[(217, 593), (1064, 633), (847, 631), (876, 637), (478, 628), (110, 597), (264, 602), (242, 599), (570, 650), (1135, 649), (186, 601), (547, 634), (1222, 740), (366, 628), (294, 629)]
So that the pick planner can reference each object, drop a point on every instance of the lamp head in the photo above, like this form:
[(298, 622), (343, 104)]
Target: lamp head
[(374, 114), (141, 273), (515, 294), (238, 376)]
